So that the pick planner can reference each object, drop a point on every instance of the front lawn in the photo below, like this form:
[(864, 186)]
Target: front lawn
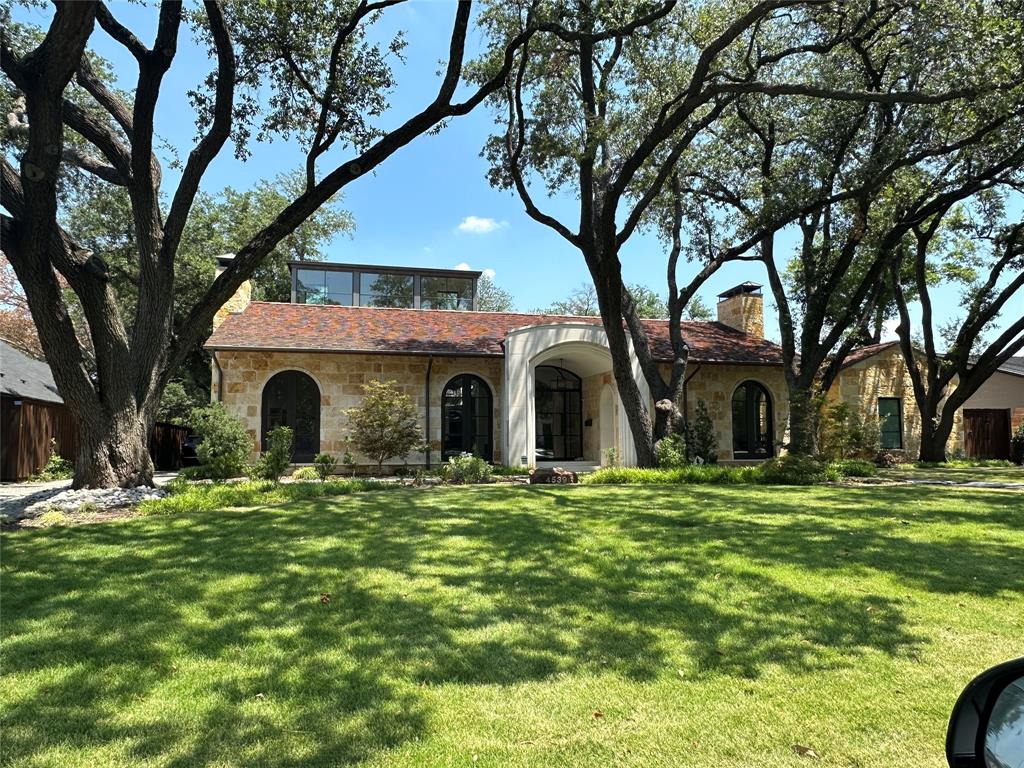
[(959, 474), (513, 626)]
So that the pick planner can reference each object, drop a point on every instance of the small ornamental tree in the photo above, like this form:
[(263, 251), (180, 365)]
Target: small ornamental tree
[(225, 446), (384, 425), (703, 443)]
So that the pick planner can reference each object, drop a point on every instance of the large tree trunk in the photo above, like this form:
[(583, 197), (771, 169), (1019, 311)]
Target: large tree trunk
[(803, 420), (114, 451), (935, 432)]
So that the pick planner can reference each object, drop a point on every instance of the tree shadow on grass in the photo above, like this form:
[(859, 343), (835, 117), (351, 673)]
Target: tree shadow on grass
[(221, 613)]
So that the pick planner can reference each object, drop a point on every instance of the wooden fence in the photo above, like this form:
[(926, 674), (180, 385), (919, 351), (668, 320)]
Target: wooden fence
[(27, 426)]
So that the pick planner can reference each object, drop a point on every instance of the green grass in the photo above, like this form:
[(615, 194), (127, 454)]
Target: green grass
[(504, 626), (208, 497), (1007, 473)]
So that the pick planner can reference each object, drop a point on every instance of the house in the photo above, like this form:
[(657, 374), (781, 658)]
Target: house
[(33, 417), (995, 412), (514, 388), (32, 414)]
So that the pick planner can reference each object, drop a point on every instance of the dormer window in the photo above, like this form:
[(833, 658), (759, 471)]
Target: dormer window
[(354, 285)]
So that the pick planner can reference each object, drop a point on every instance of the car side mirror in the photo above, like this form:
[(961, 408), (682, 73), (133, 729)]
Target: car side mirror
[(986, 729)]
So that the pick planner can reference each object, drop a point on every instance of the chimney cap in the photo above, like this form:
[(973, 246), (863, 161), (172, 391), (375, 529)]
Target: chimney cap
[(747, 287), (224, 259)]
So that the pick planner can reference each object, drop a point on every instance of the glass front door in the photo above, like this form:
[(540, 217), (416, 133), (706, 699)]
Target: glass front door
[(559, 414)]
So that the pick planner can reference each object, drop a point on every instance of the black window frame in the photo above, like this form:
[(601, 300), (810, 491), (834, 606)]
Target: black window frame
[(563, 414), (747, 432), (306, 442), (467, 414), (899, 423)]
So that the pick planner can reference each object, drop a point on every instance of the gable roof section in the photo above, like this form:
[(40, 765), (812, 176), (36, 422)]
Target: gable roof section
[(24, 376), (1013, 366), (316, 328), (861, 354)]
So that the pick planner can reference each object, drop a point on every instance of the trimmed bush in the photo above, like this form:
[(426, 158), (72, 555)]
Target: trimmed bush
[(671, 451), (324, 465), (855, 468), (274, 461), (706, 474), (466, 469), (224, 447), (794, 470), (305, 473)]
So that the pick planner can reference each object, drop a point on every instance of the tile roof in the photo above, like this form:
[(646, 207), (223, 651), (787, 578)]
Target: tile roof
[(318, 328), (861, 354), (24, 376)]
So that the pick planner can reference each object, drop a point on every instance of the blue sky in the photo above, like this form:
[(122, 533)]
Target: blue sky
[(409, 212)]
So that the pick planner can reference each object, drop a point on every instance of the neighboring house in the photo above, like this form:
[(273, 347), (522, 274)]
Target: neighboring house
[(995, 411), (523, 389), (32, 414)]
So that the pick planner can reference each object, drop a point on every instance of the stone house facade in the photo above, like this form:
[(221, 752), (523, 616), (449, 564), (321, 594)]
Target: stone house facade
[(517, 389)]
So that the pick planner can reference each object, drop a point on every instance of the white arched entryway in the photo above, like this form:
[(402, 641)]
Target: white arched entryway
[(580, 349)]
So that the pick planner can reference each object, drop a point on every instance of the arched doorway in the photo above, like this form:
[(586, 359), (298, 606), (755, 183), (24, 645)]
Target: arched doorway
[(466, 418), (292, 399), (558, 414), (752, 430)]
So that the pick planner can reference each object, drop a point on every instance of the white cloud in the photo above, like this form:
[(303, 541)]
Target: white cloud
[(480, 226), (464, 266)]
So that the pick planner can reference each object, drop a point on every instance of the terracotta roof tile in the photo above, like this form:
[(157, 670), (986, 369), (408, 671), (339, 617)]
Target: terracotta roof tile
[(309, 327), (861, 354)]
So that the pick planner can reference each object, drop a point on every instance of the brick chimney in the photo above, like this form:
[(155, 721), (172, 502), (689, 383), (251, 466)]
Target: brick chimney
[(742, 308), (241, 298)]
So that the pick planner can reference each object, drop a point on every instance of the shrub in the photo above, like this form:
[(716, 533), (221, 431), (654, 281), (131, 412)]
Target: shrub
[(505, 470), (855, 468), (1017, 445), (210, 497), (305, 473), (350, 462), (324, 465), (842, 433), (701, 438), (224, 447), (275, 460), (384, 425), (691, 473), (886, 460), (466, 468), (611, 457), (671, 451), (56, 467), (792, 469)]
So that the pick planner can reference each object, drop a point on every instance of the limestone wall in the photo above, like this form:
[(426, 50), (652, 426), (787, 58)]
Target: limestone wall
[(593, 386), (744, 311), (340, 378), (885, 375), (715, 384)]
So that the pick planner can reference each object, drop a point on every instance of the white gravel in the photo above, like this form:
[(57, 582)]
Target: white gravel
[(103, 498)]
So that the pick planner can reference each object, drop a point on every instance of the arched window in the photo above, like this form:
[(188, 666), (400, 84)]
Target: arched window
[(292, 399), (752, 432), (559, 414), (466, 407)]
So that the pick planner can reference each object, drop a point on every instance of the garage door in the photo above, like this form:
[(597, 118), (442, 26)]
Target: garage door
[(987, 433)]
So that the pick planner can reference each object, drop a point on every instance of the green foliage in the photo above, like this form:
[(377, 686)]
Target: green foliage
[(793, 469), (703, 442), (224, 447), (305, 473), (842, 433), (56, 467), (855, 468), (465, 468), (506, 470), (611, 457), (273, 462), (582, 302), (177, 403), (324, 465), (384, 425), (205, 497), (671, 451), (697, 310), (349, 461), (707, 474)]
